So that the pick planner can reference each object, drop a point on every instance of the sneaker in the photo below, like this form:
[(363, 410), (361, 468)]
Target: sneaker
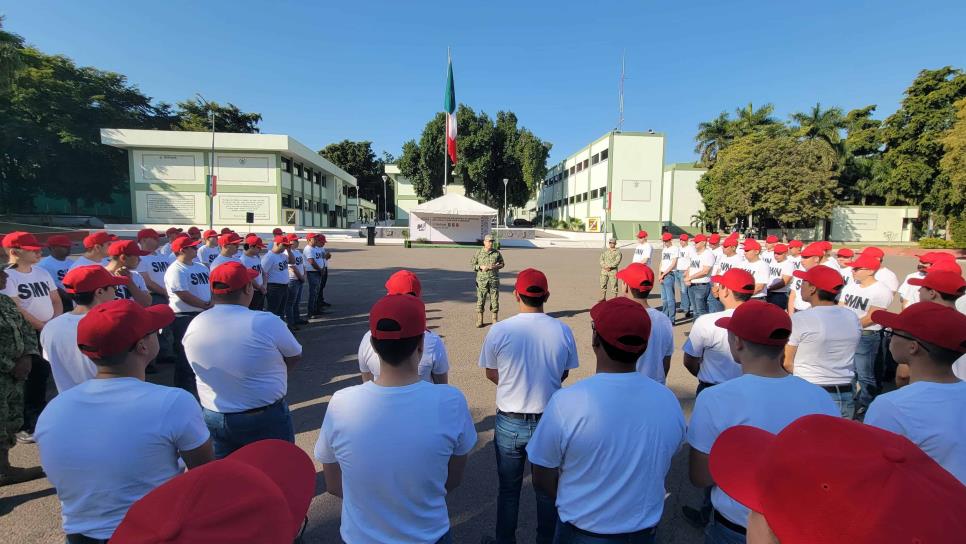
[(17, 475), (23, 437), (695, 517)]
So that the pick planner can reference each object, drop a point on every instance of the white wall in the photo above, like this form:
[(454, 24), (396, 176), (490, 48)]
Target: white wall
[(685, 200), (638, 173), (872, 223)]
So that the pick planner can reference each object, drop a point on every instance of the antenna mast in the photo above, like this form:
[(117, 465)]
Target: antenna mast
[(620, 117)]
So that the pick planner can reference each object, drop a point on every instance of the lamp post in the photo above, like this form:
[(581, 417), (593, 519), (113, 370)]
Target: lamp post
[(505, 211), (211, 166), (385, 202)]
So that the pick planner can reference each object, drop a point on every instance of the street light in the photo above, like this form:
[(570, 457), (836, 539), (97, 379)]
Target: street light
[(211, 167), (385, 202), (505, 211)]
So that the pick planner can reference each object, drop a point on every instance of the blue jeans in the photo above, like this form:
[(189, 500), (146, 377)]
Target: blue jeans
[(511, 438), (315, 280), (668, 304), (232, 431), (679, 280), (714, 305), (292, 302), (716, 533), (445, 539), (844, 399), (866, 354), (568, 534), (778, 299), (699, 292)]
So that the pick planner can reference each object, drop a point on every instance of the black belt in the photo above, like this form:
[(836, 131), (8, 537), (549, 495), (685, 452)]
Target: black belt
[(729, 524), (847, 388), (642, 532), (260, 409), (870, 333), (517, 415), (78, 538)]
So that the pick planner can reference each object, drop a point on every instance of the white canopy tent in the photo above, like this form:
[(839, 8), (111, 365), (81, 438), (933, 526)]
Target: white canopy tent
[(451, 218)]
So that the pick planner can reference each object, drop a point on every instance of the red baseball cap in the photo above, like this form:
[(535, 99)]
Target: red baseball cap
[(230, 277), (827, 245), (225, 230), (845, 252), (930, 322), (822, 277), (849, 483), (795, 243), (684, 237), (531, 283), (943, 281), (115, 326), (98, 238), (229, 238), (932, 257), (282, 239), (87, 279), (254, 240), (126, 247), (873, 251), (815, 249), (642, 234), (751, 245), (637, 276), (310, 235), (771, 239), (948, 265), (730, 241), (736, 279), (148, 233), (192, 231), (781, 248), (180, 243), (174, 230), (714, 238), (866, 261), (622, 323), (209, 234), (292, 237), (667, 236), (277, 231), (700, 238), (59, 240), (404, 282), (258, 493), (397, 316), (759, 322)]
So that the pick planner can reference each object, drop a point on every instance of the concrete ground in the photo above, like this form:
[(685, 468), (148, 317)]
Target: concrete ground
[(30, 512)]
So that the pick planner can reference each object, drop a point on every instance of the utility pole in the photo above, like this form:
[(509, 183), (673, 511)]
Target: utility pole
[(505, 210), (211, 167), (620, 116), (385, 202)]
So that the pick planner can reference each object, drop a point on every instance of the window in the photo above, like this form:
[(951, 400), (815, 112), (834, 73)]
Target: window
[(286, 165), (298, 170), (297, 204), (586, 163), (345, 190), (580, 166), (318, 207), (573, 170), (318, 178), (286, 201), (325, 207), (595, 193), (308, 205), (603, 154), (583, 197), (323, 181), (571, 200), (595, 159), (308, 174)]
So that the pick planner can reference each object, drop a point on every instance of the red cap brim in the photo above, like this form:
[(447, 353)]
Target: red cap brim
[(161, 316), (886, 319), (735, 459)]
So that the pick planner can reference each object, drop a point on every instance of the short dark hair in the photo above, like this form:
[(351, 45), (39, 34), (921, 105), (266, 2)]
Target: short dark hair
[(394, 352), (741, 297), (639, 293), (940, 354), (620, 355), (948, 297), (119, 358), (827, 296), (82, 299), (226, 298), (533, 302), (764, 350)]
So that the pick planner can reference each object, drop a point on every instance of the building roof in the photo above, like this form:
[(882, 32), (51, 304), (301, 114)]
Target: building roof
[(224, 141), (684, 166), (453, 204)]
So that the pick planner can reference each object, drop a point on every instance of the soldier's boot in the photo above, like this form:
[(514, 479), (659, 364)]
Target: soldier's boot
[(479, 320), (603, 295), (496, 316), (14, 475)]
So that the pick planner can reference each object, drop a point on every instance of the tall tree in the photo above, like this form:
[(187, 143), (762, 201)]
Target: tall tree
[(194, 115), (749, 120), (713, 136), (358, 159), (824, 124), (10, 59), (863, 153), (953, 164)]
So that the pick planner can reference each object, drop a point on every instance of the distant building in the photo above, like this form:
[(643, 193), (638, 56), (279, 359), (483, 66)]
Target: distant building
[(274, 176), (681, 201), (361, 210), (405, 198)]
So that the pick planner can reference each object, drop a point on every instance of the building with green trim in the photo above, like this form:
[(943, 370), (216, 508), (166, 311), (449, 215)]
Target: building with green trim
[(275, 177)]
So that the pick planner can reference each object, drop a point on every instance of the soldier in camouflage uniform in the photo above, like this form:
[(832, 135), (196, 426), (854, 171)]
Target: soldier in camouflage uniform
[(610, 259), (486, 263), (18, 342)]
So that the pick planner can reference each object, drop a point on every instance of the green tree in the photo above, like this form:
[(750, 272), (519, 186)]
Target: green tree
[(863, 153), (358, 159), (749, 120), (713, 136), (824, 124), (10, 59), (953, 165), (194, 115)]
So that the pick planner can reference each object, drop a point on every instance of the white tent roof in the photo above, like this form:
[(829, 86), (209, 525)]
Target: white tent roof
[(453, 204)]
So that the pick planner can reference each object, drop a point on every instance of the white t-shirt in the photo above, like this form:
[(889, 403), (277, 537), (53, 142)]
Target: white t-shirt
[(299, 265), (800, 304), (104, 444), (769, 404), (246, 372), (255, 263), (767, 256), (124, 293), (710, 342), (859, 299), (668, 255), (275, 266), (929, 414), (759, 270), (704, 259), (684, 257), (59, 341), (660, 344), (959, 368), (846, 272), (888, 277), (221, 259), (84, 261), (797, 261), (726, 263), (192, 278), (910, 293), (780, 269), (56, 269), (434, 359), (32, 291), (613, 437), (531, 352), (154, 266), (313, 253), (207, 255), (642, 253), (165, 251), (394, 445), (826, 338)]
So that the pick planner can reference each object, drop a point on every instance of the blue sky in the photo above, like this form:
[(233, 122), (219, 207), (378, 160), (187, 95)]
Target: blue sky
[(375, 70)]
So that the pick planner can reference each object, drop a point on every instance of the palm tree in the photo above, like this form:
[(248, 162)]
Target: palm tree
[(748, 120), (712, 137), (822, 124), (10, 59)]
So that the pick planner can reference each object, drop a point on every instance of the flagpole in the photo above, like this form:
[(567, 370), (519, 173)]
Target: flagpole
[(449, 59)]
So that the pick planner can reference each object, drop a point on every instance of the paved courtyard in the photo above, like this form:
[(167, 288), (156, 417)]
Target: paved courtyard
[(30, 512)]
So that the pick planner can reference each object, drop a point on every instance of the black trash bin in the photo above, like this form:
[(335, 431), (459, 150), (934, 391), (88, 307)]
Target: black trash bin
[(370, 236)]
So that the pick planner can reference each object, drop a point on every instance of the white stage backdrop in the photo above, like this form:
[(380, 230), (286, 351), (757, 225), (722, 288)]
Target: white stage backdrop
[(449, 228)]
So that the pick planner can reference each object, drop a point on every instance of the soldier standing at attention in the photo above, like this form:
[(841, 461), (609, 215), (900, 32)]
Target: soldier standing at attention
[(610, 259), (486, 263)]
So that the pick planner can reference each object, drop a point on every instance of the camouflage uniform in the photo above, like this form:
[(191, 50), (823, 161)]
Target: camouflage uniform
[(17, 338), (609, 259), (487, 281)]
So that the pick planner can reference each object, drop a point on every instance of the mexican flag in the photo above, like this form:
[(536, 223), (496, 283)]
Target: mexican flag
[(449, 105)]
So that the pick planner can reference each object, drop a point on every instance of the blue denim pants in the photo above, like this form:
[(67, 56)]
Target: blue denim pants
[(866, 354), (315, 280), (716, 533), (844, 399), (698, 293), (668, 304), (511, 439), (292, 301), (714, 305), (679, 280), (232, 431), (568, 534)]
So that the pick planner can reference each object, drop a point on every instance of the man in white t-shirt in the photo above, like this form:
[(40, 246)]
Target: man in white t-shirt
[(527, 356), (698, 276), (764, 396), (810, 258), (125, 256), (169, 235), (88, 286), (821, 349), (643, 249), (152, 267), (393, 448), (317, 270), (681, 268), (208, 252), (882, 274), (779, 276), (189, 294), (669, 261), (433, 364), (251, 258), (944, 284), (795, 253), (728, 259), (241, 384), (275, 265), (95, 248), (57, 264), (909, 293), (841, 263), (34, 292), (229, 244), (768, 254), (864, 296), (604, 445), (929, 338), (296, 282), (755, 266), (654, 363), (107, 442)]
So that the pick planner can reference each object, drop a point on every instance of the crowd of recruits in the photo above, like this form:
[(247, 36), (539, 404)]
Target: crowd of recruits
[(588, 494)]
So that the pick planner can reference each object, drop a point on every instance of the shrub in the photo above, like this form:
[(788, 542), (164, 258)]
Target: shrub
[(575, 224), (936, 243), (958, 228)]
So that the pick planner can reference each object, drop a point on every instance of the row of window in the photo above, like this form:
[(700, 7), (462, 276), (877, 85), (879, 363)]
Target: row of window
[(303, 171), (576, 199), (307, 205), (578, 167)]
